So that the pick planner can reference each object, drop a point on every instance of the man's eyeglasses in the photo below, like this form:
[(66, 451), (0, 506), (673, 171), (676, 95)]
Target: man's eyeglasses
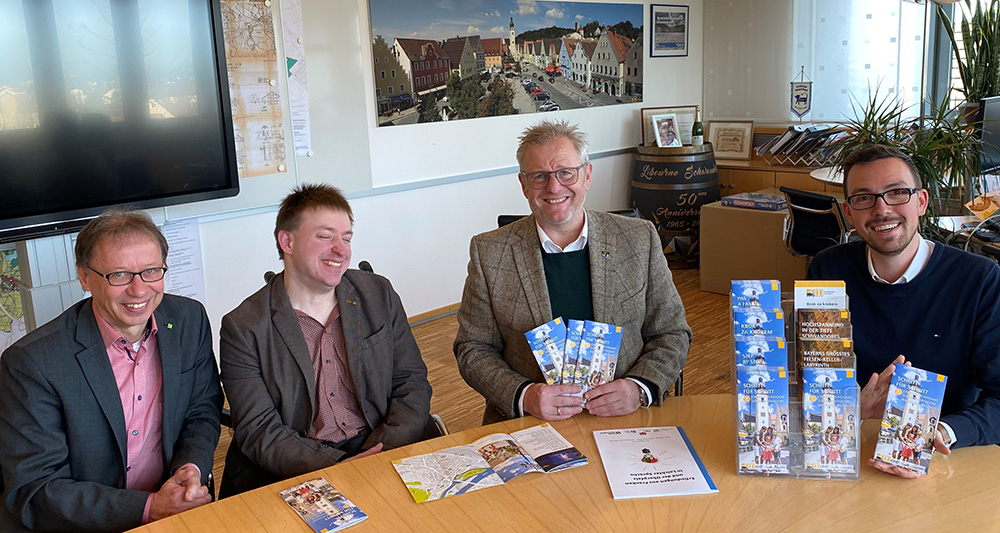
[(892, 197), (565, 176), (118, 279)]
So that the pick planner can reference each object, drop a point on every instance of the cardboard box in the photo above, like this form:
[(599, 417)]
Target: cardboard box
[(739, 243)]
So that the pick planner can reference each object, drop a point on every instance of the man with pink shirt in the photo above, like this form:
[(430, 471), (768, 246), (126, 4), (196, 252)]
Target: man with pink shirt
[(110, 412)]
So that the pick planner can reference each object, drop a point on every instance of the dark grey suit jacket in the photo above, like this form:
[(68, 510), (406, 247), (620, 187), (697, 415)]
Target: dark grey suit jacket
[(268, 376), (505, 295), (64, 443)]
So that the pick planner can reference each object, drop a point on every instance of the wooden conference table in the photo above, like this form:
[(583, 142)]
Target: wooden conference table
[(960, 493)]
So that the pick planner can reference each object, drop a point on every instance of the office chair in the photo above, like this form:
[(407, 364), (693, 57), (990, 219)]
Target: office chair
[(814, 222), (503, 220)]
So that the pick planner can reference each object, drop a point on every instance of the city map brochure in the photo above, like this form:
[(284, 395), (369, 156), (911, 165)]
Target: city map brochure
[(912, 412), (648, 462), (490, 461), (323, 507)]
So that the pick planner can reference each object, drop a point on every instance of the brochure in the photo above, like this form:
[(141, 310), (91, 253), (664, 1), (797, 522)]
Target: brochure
[(600, 346), (824, 294), (647, 462), (825, 353), (753, 321), (823, 324), (323, 507), (912, 411), (761, 351), (762, 419), (764, 293), (755, 200), (574, 335), (490, 461), (547, 342), (831, 420)]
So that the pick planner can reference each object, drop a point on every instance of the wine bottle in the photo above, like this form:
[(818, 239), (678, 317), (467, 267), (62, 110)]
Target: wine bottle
[(697, 132)]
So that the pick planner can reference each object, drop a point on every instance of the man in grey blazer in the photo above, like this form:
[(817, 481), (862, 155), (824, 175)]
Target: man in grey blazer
[(566, 261), (109, 414), (320, 364)]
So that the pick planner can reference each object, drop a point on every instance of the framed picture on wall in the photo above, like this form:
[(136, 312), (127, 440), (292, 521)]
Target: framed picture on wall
[(732, 139), (665, 126), (669, 31), (685, 122)]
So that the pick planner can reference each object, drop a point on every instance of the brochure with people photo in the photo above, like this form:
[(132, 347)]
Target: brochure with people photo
[(547, 343), (765, 293), (762, 419), (912, 411), (487, 462), (323, 507), (600, 346), (831, 419)]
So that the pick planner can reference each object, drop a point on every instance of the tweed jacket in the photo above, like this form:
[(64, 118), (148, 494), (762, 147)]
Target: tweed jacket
[(268, 375), (64, 442), (506, 295)]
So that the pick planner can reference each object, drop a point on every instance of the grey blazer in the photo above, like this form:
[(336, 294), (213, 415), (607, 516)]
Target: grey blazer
[(268, 376), (64, 444), (505, 295)]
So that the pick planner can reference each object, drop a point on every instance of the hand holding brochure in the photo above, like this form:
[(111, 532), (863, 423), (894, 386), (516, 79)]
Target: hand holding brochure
[(585, 353), (646, 462), (912, 411), (323, 507)]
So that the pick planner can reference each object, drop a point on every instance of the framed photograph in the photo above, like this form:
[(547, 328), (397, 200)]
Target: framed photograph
[(685, 122), (669, 35), (665, 126), (732, 139)]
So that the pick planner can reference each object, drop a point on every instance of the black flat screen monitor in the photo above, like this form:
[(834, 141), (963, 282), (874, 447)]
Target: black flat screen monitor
[(110, 102), (990, 153)]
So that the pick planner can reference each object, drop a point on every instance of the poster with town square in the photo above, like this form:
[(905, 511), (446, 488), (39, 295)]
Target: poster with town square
[(439, 61)]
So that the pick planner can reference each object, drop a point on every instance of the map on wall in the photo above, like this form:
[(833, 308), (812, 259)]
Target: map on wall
[(11, 310), (252, 62)]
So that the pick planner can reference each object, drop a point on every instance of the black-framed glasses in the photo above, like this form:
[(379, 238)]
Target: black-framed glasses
[(891, 197), (121, 278), (565, 176)]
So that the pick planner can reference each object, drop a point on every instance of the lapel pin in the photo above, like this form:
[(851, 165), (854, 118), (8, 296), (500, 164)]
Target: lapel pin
[(352, 302), (170, 325), (605, 254)]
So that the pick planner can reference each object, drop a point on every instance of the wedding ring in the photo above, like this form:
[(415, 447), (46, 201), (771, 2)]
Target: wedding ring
[(557, 411)]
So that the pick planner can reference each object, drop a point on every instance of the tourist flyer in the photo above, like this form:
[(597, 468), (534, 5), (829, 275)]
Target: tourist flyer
[(831, 420), (761, 351), (323, 507), (600, 346), (490, 461), (765, 293), (571, 354), (647, 462), (753, 321), (547, 342), (824, 353), (762, 420), (823, 324), (912, 411), (823, 294)]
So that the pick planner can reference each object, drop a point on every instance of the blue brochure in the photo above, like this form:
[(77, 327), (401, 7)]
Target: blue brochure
[(547, 342), (831, 420), (762, 419), (574, 335), (765, 293), (600, 347), (912, 411), (758, 322), (761, 351)]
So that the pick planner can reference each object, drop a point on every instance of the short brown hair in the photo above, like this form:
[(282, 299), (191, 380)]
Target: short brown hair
[(547, 131), (304, 198), (877, 152), (113, 223)]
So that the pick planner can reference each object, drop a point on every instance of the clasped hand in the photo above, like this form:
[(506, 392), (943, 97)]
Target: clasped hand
[(555, 402)]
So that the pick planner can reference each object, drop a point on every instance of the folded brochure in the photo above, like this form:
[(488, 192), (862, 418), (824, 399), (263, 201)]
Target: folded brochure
[(323, 507)]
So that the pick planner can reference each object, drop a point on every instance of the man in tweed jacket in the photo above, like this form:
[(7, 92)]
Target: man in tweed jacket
[(529, 272)]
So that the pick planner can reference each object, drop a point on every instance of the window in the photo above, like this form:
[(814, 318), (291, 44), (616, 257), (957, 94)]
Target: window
[(390, 90), (393, 73), (378, 92), (383, 74), (402, 88), (848, 47), (376, 61)]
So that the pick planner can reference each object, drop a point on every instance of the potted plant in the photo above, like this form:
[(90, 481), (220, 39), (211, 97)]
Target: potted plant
[(979, 66), (944, 148)]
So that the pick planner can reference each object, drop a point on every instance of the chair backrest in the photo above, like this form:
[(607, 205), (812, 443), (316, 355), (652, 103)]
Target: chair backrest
[(814, 223)]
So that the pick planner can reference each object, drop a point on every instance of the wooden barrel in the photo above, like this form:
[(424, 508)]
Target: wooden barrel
[(669, 186)]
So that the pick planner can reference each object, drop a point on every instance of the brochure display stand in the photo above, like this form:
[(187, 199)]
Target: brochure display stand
[(794, 373)]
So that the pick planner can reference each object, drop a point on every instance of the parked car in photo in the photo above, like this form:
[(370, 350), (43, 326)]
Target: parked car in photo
[(541, 95), (553, 108), (544, 106)]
